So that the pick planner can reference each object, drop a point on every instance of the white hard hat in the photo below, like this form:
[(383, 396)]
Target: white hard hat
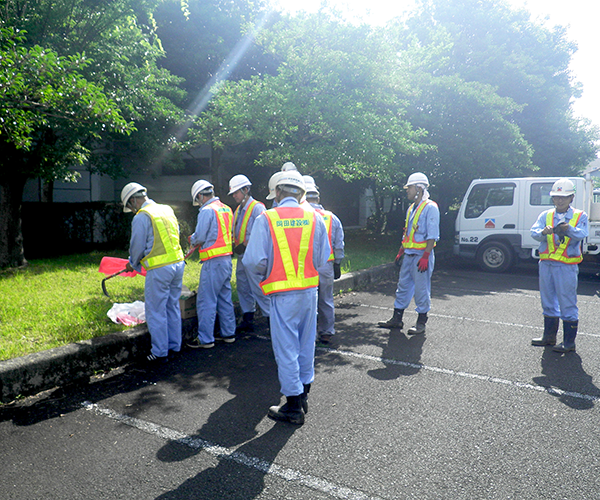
[(272, 184), (203, 187), (417, 178), (563, 187), (293, 182), (310, 184), (287, 166), (237, 182), (128, 191)]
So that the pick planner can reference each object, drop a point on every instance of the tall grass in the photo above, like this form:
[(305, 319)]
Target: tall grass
[(53, 302)]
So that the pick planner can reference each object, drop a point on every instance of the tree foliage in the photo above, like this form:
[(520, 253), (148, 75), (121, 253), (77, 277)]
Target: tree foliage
[(525, 61), (81, 86)]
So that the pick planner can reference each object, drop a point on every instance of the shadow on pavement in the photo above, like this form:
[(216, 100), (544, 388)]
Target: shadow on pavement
[(240, 477), (403, 348), (566, 373)]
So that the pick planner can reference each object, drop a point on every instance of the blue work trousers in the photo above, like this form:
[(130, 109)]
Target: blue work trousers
[(412, 283), (163, 315), (558, 289), (293, 324), (249, 291), (214, 296), (326, 308)]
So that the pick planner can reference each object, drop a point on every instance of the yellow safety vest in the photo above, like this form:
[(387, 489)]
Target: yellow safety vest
[(559, 253), (408, 241), (328, 218), (292, 230), (241, 237), (166, 248), (222, 245)]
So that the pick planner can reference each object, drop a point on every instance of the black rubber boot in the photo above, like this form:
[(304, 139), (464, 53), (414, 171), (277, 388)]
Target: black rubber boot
[(395, 321), (304, 398), (569, 334), (291, 411), (420, 326), (247, 323), (550, 330)]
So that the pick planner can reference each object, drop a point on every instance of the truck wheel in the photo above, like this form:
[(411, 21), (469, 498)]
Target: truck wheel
[(495, 257)]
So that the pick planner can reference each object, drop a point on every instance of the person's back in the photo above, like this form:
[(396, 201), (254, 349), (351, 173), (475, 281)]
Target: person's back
[(289, 243)]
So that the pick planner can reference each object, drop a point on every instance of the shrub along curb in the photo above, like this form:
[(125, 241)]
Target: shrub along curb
[(71, 363)]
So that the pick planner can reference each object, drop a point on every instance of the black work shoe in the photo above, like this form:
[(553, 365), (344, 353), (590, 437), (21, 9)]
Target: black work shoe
[(325, 338), (247, 323), (152, 360), (196, 344), (562, 348), (304, 398), (394, 322), (543, 341), (417, 329), (291, 411)]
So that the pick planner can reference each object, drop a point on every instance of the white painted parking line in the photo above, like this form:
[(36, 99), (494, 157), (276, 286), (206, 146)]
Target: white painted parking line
[(312, 482), (445, 371), (475, 320)]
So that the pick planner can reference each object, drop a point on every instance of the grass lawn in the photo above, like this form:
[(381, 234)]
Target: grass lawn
[(53, 302)]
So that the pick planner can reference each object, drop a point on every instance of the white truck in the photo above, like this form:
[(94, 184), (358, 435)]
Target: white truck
[(495, 218)]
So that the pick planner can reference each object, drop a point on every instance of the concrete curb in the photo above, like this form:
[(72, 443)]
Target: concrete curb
[(63, 365)]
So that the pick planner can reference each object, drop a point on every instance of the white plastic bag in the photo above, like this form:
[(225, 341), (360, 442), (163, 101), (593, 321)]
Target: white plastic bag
[(128, 314)]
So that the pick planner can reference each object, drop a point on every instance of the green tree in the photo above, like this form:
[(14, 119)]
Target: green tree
[(527, 62), (330, 108), (113, 47), (46, 106), (470, 127)]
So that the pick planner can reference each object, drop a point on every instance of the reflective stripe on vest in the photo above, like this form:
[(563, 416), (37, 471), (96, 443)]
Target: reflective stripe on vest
[(560, 253), (241, 237), (408, 241), (222, 246), (166, 248), (292, 230), (328, 218)]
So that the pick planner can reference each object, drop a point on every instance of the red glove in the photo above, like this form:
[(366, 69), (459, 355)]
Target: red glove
[(423, 263), (399, 256)]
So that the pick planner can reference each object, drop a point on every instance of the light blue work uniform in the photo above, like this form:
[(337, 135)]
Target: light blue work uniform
[(326, 308), (248, 286), (161, 290), (558, 280), (412, 282), (214, 290), (293, 319)]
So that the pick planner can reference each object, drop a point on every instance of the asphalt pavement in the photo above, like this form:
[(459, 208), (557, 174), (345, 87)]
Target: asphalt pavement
[(469, 410)]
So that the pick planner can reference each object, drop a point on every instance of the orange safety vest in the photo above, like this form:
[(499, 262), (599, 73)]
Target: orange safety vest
[(559, 253), (241, 236), (292, 231), (408, 241), (328, 218), (222, 246), (166, 248)]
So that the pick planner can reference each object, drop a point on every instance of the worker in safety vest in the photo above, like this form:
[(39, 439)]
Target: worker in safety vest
[(331, 270), (155, 246), (416, 256), (288, 166), (560, 231), (214, 235), (289, 243), (248, 287)]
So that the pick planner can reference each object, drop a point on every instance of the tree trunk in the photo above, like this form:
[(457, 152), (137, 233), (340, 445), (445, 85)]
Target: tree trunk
[(11, 237)]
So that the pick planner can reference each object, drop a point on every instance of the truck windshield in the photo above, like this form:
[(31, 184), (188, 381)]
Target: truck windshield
[(483, 196)]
